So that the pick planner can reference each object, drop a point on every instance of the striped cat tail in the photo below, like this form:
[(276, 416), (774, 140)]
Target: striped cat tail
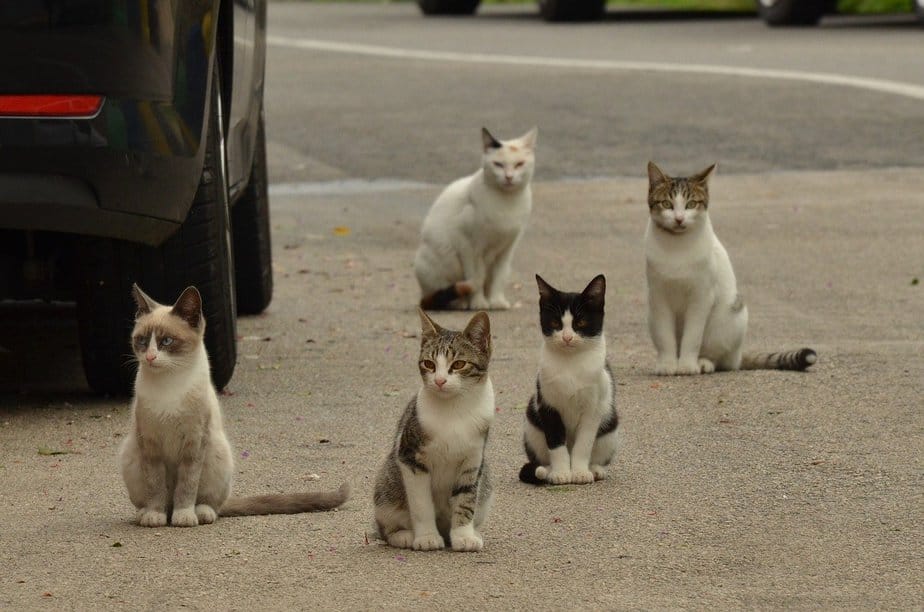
[(442, 299), (285, 503), (528, 474), (785, 360)]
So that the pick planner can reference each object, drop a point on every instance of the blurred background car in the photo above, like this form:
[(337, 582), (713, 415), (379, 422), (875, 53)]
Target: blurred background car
[(773, 12), (132, 150)]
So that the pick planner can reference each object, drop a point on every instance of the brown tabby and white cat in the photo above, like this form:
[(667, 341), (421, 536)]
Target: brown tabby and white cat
[(434, 488), (472, 229), (176, 460), (696, 316)]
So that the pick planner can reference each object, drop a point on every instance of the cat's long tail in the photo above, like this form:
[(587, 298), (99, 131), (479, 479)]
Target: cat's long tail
[(285, 503), (528, 474), (442, 299), (799, 359)]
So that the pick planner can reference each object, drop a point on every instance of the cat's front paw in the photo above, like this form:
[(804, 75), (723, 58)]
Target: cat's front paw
[(206, 514), (582, 476), (402, 539), (148, 517), (665, 367), (559, 477), (499, 303), (599, 472), (706, 366), (184, 517), (688, 367), (429, 541), (470, 542), (479, 302)]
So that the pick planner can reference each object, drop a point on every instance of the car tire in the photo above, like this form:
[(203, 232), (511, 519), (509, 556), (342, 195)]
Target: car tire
[(253, 260), (448, 7), (919, 10), (572, 10), (199, 253), (792, 12)]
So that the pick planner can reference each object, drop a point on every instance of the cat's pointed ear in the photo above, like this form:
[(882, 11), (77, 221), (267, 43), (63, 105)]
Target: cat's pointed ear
[(478, 331), (655, 175), (427, 325), (144, 302), (189, 307), (704, 175), (595, 292), (546, 291), (530, 138), (489, 141)]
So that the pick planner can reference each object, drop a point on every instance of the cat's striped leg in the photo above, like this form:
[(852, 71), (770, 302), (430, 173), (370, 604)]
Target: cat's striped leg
[(463, 502)]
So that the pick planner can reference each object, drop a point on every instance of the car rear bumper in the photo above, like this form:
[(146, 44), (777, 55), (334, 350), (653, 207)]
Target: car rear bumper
[(132, 170)]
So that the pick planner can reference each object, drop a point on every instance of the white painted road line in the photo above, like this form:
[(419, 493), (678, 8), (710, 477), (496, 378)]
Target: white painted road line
[(897, 88)]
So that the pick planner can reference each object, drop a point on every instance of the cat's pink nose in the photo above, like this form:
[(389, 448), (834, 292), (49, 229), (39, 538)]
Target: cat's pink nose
[(439, 382), (567, 338), (678, 220), (150, 357)]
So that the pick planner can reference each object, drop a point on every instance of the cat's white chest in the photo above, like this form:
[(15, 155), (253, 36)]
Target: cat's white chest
[(575, 384)]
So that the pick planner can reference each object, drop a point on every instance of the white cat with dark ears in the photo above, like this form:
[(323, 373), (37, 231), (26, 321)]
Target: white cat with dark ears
[(175, 460), (472, 229), (569, 432), (696, 317)]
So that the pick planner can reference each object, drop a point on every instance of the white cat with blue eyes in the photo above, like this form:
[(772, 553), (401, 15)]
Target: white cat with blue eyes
[(472, 229)]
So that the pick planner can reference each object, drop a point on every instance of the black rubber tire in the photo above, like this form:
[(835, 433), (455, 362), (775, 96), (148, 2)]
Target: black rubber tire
[(448, 7), (199, 254), (572, 10), (792, 12), (919, 10), (253, 259)]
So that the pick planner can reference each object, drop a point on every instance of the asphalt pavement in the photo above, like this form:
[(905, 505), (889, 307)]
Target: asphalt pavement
[(739, 490)]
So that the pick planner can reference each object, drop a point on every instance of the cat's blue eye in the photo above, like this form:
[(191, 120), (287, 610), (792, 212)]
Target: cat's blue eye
[(141, 341), (166, 341)]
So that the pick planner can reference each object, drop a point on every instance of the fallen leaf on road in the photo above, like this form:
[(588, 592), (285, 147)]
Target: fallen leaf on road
[(341, 230)]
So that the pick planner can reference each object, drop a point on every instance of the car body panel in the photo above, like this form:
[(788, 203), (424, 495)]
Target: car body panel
[(142, 154)]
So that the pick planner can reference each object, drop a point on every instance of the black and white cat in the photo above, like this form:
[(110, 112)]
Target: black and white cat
[(696, 317), (569, 433), (472, 229), (434, 488)]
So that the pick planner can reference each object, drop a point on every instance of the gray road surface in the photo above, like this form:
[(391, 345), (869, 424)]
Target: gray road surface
[(743, 490)]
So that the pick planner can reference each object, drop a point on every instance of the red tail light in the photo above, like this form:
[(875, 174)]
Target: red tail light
[(50, 106)]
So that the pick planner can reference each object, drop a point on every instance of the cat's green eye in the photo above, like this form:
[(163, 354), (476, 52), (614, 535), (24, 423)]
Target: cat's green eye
[(426, 364), (692, 204), (457, 365), (667, 204)]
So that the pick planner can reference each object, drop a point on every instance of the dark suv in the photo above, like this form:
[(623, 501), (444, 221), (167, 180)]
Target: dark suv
[(132, 150)]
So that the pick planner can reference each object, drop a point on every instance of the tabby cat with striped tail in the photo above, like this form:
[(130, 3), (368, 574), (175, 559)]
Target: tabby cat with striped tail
[(434, 489), (569, 433), (696, 317)]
